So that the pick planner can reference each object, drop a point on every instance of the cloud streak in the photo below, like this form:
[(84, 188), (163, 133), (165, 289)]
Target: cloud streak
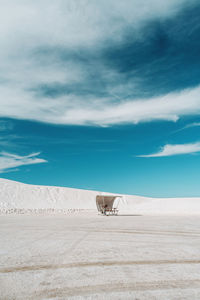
[(191, 125), (179, 149), (8, 161), (66, 110), (100, 63)]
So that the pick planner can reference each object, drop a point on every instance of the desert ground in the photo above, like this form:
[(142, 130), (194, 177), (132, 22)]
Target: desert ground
[(89, 256)]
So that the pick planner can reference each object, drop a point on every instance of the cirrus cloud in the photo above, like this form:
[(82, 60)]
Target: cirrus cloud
[(8, 161), (80, 62), (178, 149), (103, 112)]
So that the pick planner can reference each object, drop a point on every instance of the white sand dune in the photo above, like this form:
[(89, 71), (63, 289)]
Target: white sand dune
[(19, 197), (150, 251)]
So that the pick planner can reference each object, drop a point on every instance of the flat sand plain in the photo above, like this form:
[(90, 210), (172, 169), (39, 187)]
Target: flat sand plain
[(87, 256)]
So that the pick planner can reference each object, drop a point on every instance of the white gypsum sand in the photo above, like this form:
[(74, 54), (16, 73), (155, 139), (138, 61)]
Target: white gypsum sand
[(16, 197), (150, 251), (86, 256)]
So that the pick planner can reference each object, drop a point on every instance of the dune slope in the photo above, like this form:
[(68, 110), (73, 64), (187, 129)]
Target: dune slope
[(16, 196)]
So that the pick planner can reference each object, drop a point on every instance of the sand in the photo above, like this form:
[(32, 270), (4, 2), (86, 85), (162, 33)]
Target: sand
[(86, 256), (19, 198), (54, 245)]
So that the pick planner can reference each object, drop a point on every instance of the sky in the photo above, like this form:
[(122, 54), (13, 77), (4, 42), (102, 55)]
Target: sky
[(101, 95)]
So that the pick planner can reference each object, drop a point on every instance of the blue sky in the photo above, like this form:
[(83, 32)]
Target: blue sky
[(101, 95)]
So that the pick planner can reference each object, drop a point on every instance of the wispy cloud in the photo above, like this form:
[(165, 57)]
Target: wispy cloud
[(87, 68), (8, 161), (169, 107), (67, 110), (191, 125), (170, 150), (195, 124)]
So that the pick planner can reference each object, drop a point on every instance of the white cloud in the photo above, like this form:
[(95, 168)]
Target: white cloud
[(75, 22), (195, 124), (169, 107), (170, 150), (30, 25), (190, 125), (70, 110), (8, 161)]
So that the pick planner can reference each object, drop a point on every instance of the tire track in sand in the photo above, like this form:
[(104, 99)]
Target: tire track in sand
[(117, 287), (40, 267), (151, 232)]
